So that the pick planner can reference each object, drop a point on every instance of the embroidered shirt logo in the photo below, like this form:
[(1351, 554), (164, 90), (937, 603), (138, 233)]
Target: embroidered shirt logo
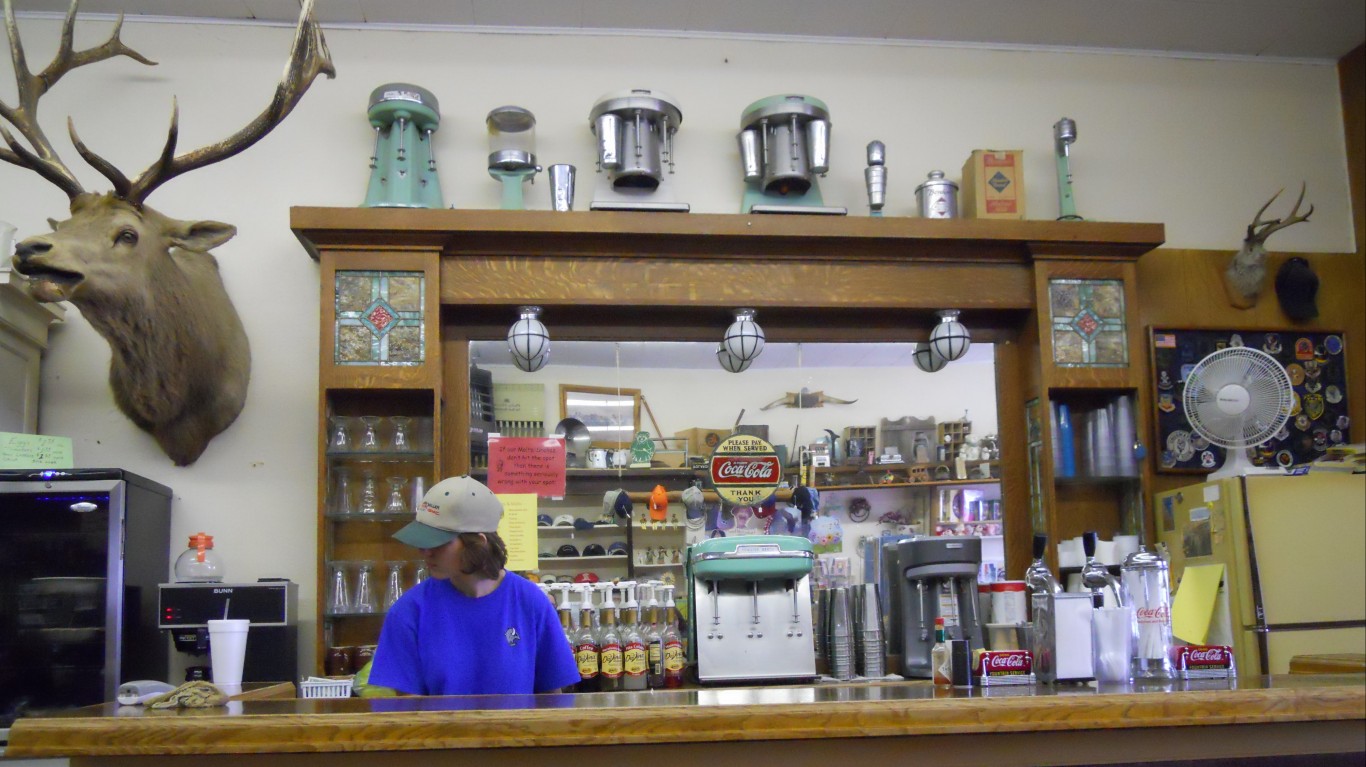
[(512, 636)]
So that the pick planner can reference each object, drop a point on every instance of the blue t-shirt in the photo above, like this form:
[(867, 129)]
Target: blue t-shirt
[(438, 641)]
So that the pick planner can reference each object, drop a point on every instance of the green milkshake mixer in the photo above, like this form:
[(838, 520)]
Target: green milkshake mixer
[(512, 152), (403, 166)]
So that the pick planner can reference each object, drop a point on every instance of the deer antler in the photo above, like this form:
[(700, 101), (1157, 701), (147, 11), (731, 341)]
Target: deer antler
[(42, 159), (1267, 228), (308, 58)]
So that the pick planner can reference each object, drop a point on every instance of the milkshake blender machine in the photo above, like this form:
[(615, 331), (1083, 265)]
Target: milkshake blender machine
[(1064, 133), (940, 581), (512, 152), (784, 142), (403, 167), (635, 133), (750, 599)]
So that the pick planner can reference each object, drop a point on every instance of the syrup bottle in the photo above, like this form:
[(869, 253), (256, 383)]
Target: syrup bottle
[(609, 646), (586, 652), (673, 643)]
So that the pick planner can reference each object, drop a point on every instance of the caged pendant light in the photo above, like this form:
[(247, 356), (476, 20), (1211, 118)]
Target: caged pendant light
[(950, 338), (744, 339), (927, 359), (729, 361), (528, 340)]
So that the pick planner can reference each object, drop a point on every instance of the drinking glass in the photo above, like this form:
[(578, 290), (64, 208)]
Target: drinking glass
[(396, 504), (369, 438), (417, 491), (369, 494), (402, 439), (341, 501), (338, 590), (420, 573), (367, 601), (339, 437), (394, 585)]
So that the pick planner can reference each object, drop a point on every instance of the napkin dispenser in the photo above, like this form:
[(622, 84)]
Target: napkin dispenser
[(1062, 637)]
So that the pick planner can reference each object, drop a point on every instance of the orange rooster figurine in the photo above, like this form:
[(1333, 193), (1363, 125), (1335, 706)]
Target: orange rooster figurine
[(659, 504)]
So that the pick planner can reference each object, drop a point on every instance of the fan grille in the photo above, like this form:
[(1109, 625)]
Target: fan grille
[(1230, 374)]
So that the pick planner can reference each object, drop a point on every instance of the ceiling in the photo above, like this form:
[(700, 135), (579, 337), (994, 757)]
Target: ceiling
[(1320, 30)]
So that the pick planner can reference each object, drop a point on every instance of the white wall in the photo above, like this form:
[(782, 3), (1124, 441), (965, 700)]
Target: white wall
[(1199, 145)]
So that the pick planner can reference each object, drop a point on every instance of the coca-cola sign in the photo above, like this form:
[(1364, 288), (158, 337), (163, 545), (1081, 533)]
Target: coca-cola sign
[(1158, 615), (1202, 656), (745, 470), (1004, 662)]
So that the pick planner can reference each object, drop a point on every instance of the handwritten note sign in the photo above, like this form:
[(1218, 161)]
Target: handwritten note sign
[(517, 528), (34, 451), (527, 465)]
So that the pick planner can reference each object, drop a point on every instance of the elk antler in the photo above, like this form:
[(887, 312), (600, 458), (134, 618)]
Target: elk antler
[(1267, 228), (42, 159), (308, 58)]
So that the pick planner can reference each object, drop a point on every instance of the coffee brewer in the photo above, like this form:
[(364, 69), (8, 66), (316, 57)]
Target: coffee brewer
[(185, 609), (939, 580), (750, 599), (635, 136), (403, 166), (784, 144)]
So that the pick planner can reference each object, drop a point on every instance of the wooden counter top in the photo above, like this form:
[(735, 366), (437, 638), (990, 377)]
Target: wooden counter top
[(811, 712)]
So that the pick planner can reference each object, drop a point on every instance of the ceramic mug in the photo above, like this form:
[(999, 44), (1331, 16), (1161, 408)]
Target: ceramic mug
[(597, 458), (621, 458)]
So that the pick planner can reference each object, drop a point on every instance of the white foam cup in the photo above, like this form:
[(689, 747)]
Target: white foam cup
[(228, 651)]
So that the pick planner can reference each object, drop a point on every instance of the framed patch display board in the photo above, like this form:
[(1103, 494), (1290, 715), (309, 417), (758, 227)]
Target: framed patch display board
[(1315, 363)]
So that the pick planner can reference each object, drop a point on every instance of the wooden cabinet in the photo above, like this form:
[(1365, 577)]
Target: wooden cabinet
[(23, 337), (813, 278)]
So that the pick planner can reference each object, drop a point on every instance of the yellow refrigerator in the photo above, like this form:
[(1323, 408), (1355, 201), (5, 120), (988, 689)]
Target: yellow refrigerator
[(1274, 564)]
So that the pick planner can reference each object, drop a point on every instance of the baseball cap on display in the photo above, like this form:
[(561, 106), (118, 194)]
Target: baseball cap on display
[(594, 550), (567, 550), (564, 520), (1297, 288), (616, 547), (586, 578), (582, 524), (453, 506), (543, 520)]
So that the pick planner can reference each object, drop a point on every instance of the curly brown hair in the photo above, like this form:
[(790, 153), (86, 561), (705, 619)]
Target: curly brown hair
[(484, 554)]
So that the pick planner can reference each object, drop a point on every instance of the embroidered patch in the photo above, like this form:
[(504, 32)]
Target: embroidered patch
[(512, 636)]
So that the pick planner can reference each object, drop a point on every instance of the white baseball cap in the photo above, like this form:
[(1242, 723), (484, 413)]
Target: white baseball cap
[(453, 506)]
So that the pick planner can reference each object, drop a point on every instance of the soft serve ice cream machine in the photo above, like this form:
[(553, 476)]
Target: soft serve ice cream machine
[(635, 137), (784, 144), (750, 598)]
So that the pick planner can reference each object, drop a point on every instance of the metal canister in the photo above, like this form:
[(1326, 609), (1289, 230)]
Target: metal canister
[(937, 197), (749, 154)]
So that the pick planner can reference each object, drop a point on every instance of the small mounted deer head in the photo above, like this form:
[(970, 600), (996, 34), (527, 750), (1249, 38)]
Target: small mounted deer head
[(1246, 273), (146, 282)]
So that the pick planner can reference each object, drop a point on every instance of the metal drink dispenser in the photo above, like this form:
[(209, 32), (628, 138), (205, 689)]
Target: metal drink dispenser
[(939, 581), (784, 142), (751, 608), (403, 166), (635, 138), (512, 152)]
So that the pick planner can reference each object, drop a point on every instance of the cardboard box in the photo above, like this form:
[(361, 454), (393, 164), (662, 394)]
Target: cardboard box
[(669, 459), (993, 184), (701, 441)]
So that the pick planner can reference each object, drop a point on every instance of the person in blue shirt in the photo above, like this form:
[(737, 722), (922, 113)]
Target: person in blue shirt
[(471, 628)]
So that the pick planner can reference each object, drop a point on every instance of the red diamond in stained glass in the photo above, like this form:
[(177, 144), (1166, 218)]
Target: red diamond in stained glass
[(380, 317), (1087, 323)]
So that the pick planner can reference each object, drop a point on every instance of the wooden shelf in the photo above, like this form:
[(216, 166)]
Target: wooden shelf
[(555, 562), (931, 483)]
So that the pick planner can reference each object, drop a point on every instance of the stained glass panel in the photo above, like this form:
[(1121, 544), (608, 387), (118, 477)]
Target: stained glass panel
[(1088, 323), (379, 318)]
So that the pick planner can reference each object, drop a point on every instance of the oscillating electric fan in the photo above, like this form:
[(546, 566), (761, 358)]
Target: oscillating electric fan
[(1237, 398)]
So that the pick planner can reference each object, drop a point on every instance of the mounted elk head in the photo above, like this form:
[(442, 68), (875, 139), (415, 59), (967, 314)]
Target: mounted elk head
[(1246, 273), (146, 282)]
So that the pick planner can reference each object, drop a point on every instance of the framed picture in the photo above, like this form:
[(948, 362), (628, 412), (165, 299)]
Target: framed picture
[(612, 415), (1315, 361)]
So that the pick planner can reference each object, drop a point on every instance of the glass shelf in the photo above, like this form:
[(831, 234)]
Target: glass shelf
[(406, 516)]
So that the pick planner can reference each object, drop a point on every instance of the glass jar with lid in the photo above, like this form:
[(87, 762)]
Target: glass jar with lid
[(199, 563)]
